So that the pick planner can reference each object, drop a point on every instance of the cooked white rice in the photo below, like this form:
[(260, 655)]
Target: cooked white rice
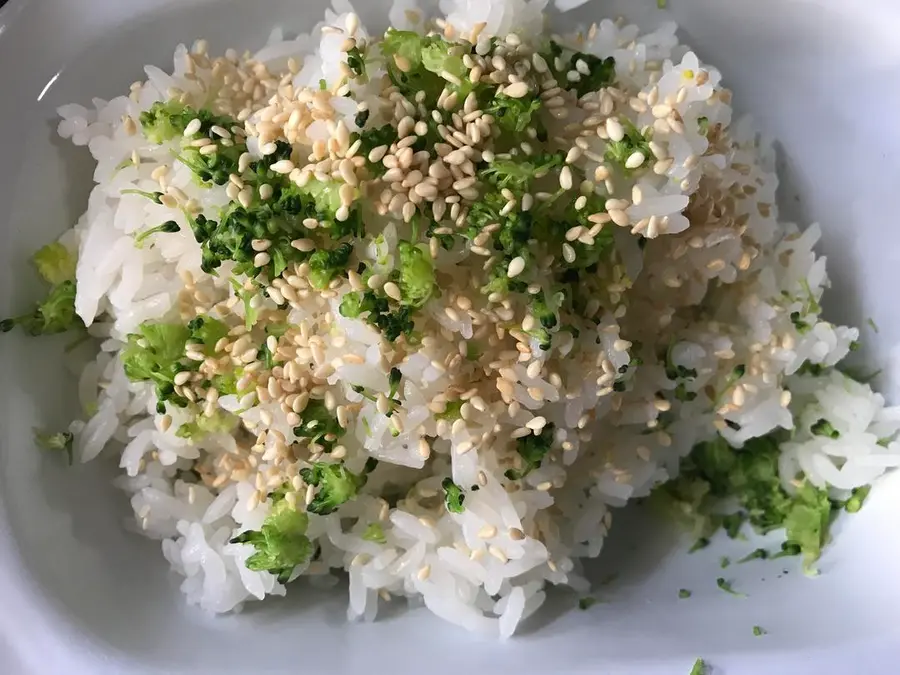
[(486, 568)]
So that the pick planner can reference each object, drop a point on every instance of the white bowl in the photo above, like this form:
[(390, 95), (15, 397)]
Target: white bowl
[(82, 595)]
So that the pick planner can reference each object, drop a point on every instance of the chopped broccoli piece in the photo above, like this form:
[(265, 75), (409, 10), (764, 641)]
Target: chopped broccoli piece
[(55, 263), (601, 72), (416, 274), (319, 426), (452, 412), (724, 562), (59, 441), (220, 422), (53, 315), (514, 115), (618, 152), (414, 63), (699, 668), (337, 485), (155, 354), (759, 630), (586, 602), (684, 593), (532, 449), (453, 496), (518, 174), (168, 227), (758, 554), (857, 497), (823, 428), (374, 533), (165, 120), (281, 543), (375, 138), (325, 265), (391, 323), (808, 521), (726, 586), (356, 61)]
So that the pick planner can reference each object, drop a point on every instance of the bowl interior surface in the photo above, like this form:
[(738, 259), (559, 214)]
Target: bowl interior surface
[(96, 598)]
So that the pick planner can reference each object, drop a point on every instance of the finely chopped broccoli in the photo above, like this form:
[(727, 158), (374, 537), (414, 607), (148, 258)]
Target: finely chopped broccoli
[(434, 313)]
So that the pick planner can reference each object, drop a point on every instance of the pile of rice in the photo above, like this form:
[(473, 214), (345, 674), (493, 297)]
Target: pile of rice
[(707, 278)]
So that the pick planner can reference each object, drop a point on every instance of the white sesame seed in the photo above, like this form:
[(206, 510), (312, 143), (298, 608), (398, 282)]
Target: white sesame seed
[(615, 130), (536, 423), (635, 160), (516, 267), (392, 290), (516, 90), (283, 166), (565, 178), (192, 127), (261, 259), (487, 532), (568, 253)]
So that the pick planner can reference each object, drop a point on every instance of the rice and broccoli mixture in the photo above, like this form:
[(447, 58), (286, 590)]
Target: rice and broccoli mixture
[(428, 305)]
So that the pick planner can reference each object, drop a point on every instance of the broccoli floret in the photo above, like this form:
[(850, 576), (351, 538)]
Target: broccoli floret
[(414, 63), (168, 119), (545, 319), (168, 227), (532, 449), (374, 138), (281, 543), (451, 412), (155, 354), (53, 315), (55, 263), (374, 533), (59, 441), (356, 61), (514, 115), (416, 274), (391, 323), (517, 175), (319, 426), (618, 152), (453, 496), (220, 422), (824, 428), (601, 72), (325, 265), (337, 485)]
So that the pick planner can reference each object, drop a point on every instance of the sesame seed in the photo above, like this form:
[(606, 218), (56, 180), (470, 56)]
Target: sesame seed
[(516, 90), (565, 178), (392, 290), (516, 267), (635, 160), (192, 127), (424, 573), (615, 130), (536, 423), (487, 532), (261, 259), (283, 166)]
